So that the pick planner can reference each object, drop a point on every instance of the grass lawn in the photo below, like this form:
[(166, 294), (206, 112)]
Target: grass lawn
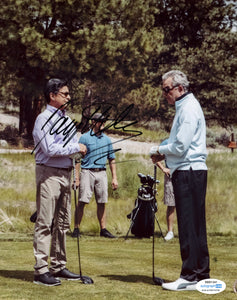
[(121, 269)]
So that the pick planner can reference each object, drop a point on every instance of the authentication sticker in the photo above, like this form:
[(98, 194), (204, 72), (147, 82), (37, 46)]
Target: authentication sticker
[(211, 286)]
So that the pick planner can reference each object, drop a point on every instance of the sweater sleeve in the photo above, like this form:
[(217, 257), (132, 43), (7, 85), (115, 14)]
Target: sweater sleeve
[(183, 132)]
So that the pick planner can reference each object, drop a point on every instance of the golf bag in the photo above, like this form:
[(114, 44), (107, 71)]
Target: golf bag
[(142, 216)]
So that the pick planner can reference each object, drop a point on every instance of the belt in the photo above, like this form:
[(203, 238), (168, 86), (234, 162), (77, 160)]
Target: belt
[(62, 169), (97, 169)]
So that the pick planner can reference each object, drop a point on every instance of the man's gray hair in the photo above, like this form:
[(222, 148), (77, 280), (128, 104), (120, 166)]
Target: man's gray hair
[(178, 78)]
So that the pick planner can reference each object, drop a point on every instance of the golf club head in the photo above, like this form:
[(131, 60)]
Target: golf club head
[(157, 280), (86, 280)]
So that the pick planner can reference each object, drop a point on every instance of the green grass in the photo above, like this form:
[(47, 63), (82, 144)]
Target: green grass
[(221, 193), (121, 269), (17, 184)]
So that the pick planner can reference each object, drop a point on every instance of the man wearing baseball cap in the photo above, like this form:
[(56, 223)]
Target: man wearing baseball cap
[(93, 176)]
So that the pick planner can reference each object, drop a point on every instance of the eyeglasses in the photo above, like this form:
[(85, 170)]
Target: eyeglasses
[(167, 89), (65, 94)]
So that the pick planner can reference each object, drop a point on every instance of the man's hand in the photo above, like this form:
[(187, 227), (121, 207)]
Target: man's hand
[(166, 171), (114, 184), (83, 149)]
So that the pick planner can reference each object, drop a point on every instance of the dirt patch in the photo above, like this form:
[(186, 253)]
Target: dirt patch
[(9, 120), (126, 145), (130, 146)]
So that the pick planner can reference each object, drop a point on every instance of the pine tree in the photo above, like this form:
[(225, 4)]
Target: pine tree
[(86, 41), (199, 39)]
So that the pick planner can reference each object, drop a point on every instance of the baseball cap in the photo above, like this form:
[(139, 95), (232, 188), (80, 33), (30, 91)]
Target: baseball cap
[(98, 117)]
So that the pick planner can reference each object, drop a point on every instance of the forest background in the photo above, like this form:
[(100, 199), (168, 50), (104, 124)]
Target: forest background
[(116, 52)]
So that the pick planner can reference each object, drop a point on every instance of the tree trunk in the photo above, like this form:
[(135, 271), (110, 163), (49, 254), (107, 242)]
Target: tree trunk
[(29, 110), (86, 111)]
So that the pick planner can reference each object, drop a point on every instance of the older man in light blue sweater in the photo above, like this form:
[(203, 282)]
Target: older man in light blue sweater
[(185, 154)]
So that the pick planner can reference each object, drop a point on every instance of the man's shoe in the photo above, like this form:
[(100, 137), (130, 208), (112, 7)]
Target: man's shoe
[(46, 279), (105, 233), (169, 236), (180, 285), (192, 287), (67, 275), (33, 217), (76, 232)]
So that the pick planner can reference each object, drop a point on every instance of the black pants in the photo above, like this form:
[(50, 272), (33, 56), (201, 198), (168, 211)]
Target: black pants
[(190, 192)]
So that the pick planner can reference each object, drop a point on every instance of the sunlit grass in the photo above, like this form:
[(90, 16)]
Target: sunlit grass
[(221, 193), (17, 179), (121, 269)]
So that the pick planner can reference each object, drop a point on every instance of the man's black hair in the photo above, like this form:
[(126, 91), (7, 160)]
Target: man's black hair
[(53, 86)]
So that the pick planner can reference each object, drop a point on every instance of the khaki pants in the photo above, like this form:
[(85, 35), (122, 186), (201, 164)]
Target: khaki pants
[(53, 202), (93, 182)]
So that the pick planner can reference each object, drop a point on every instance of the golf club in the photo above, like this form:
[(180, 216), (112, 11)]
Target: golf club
[(84, 279), (156, 280)]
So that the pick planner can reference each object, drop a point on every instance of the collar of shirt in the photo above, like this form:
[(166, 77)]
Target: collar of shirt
[(53, 109), (185, 97), (100, 135), (181, 97)]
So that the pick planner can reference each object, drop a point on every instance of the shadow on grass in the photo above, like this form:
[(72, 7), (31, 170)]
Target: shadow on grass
[(130, 278), (17, 274), (131, 236)]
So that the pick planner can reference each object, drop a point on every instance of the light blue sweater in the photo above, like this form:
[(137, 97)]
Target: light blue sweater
[(186, 145)]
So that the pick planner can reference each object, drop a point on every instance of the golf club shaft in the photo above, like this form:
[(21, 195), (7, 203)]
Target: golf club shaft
[(75, 199), (153, 238), (153, 248)]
